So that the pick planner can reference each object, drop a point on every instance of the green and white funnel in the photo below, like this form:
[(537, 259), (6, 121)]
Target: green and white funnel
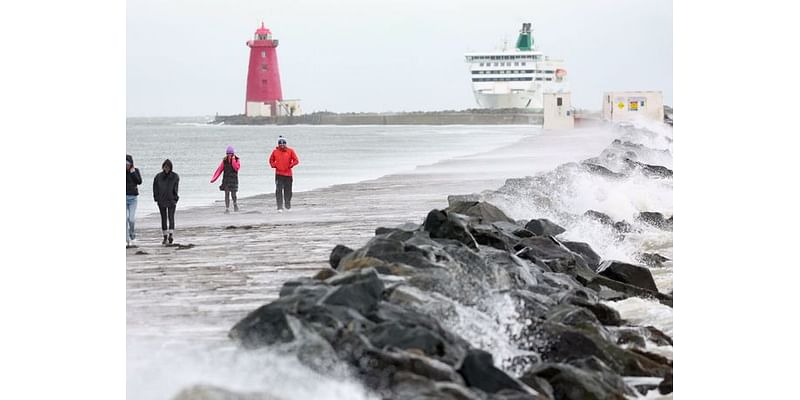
[(525, 39)]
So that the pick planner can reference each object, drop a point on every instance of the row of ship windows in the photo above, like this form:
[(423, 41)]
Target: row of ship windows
[(503, 64), (480, 58), (517, 71), (509, 79)]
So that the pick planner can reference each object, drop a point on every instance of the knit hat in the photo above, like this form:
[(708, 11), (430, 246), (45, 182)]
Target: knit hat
[(229, 150), (281, 140)]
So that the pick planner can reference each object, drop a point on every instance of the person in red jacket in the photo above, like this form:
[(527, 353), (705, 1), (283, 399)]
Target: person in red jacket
[(283, 159)]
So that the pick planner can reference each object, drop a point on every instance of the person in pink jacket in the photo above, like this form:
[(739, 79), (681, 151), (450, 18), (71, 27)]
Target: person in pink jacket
[(229, 169)]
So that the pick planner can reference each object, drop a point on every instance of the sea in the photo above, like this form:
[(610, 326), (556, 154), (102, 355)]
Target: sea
[(329, 155)]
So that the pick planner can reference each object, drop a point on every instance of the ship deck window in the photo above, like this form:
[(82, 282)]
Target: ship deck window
[(502, 79)]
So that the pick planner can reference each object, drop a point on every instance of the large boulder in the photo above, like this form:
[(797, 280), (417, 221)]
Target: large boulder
[(361, 294), (553, 254), (484, 212), (572, 383), (337, 254), (479, 371), (584, 250), (628, 273), (544, 227), (445, 225), (655, 219)]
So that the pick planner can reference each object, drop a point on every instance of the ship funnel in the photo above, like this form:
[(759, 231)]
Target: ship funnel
[(525, 39)]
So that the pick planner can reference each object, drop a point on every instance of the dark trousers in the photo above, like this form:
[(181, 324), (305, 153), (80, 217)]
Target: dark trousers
[(167, 212), (283, 191), (228, 195)]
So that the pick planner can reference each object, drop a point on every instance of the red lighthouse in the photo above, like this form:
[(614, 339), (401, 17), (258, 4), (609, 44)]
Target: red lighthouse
[(263, 78)]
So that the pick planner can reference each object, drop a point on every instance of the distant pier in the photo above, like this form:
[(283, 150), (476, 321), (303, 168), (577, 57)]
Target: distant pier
[(467, 117)]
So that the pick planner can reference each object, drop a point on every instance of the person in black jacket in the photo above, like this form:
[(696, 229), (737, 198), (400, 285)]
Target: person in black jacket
[(165, 193), (133, 178)]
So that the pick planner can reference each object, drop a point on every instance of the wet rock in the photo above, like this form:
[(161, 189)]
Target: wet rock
[(544, 227), (604, 314), (560, 343), (479, 371), (656, 171), (584, 250), (655, 219), (208, 392), (552, 253), (488, 235), (444, 225), (610, 289), (324, 274), (362, 294), (484, 212), (141, 253), (598, 216), (338, 252), (628, 273), (572, 383), (652, 260), (601, 170), (666, 385)]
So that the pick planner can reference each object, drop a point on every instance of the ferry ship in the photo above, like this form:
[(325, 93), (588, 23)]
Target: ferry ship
[(515, 78)]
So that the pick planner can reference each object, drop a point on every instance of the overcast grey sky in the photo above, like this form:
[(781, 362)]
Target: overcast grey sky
[(188, 57)]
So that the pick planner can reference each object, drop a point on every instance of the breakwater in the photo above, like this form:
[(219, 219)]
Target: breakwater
[(469, 117)]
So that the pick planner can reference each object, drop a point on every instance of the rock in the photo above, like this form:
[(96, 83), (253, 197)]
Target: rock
[(610, 289), (488, 235), (652, 260), (324, 274), (653, 171), (484, 212), (544, 227), (362, 294), (478, 371), (598, 216), (572, 383), (444, 225), (628, 273), (552, 253), (584, 250), (666, 385), (183, 246), (560, 343), (601, 170), (141, 253), (208, 392), (655, 219), (337, 254), (604, 314)]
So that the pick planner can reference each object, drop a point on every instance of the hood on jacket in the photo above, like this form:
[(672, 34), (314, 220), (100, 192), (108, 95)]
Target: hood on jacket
[(129, 158), (168, 163)]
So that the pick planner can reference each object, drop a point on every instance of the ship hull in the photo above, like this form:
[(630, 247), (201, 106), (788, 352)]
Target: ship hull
[(526, 99)]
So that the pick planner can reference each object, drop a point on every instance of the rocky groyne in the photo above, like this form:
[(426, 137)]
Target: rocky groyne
[(384, 313)]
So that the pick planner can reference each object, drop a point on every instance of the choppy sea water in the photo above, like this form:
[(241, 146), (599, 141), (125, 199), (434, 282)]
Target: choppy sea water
[(329, 155)]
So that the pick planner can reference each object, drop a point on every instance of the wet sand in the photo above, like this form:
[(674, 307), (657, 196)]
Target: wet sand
[(240, 260)]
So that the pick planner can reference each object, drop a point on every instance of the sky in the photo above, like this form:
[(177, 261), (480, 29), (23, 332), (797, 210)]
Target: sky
[(189, 57)]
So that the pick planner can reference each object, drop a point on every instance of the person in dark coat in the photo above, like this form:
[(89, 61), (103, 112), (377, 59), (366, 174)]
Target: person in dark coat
[(165, 193), (133, 178), (229, 168)]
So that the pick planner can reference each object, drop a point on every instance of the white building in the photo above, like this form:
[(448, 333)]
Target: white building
[(558, 111), (624, 106)]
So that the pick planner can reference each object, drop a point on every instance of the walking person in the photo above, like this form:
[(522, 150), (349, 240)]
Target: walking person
[(283, 159), (229, 168), (133, 178), (165, 193)]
